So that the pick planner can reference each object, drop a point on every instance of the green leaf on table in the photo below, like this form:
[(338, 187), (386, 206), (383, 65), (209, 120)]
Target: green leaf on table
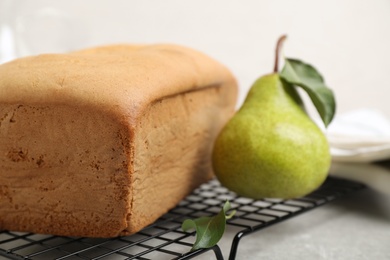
[(209, 230), (309, 79)]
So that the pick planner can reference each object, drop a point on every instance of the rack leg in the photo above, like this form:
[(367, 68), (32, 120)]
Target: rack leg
[(235, 242)]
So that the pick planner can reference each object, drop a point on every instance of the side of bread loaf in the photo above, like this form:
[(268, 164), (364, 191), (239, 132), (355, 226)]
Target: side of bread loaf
[(103, 141)]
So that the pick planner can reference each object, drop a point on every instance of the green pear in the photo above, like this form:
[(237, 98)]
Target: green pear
[(270, 147)]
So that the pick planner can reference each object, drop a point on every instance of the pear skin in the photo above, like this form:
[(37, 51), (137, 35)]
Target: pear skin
[(271, 148)]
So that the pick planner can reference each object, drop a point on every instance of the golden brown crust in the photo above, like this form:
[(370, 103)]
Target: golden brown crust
[(103, 141), (110, 76)]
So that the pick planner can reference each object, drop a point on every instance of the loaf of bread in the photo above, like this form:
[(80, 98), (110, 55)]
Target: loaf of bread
[(102, 142)]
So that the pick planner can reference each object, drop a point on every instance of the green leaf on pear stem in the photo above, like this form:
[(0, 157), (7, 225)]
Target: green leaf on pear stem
[(209, 230), (298, 73)]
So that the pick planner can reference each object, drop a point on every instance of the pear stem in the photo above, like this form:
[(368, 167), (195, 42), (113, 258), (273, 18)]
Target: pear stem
[(277, 52)]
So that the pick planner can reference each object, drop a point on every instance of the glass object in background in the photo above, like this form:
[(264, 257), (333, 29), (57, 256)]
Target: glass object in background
[(34, 27)]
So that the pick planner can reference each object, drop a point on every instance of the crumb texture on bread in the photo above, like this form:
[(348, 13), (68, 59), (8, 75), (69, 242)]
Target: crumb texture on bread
[(101, 142), (63, 170)]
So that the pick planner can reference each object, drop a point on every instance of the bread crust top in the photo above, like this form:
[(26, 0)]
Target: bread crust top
[(120, 78)]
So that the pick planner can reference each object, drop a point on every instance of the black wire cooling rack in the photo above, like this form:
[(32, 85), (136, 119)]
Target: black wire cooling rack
[(164, 239)]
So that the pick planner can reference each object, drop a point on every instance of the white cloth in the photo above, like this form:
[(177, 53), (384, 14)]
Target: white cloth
[(360, 142), (360, 136)]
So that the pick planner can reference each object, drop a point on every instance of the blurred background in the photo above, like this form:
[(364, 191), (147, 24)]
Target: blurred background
[(347, 41)]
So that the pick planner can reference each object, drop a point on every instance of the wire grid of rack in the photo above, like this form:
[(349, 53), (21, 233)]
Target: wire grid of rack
[(164, 239)]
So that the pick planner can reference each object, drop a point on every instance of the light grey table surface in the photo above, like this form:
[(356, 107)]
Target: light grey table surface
[(356, 226)]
